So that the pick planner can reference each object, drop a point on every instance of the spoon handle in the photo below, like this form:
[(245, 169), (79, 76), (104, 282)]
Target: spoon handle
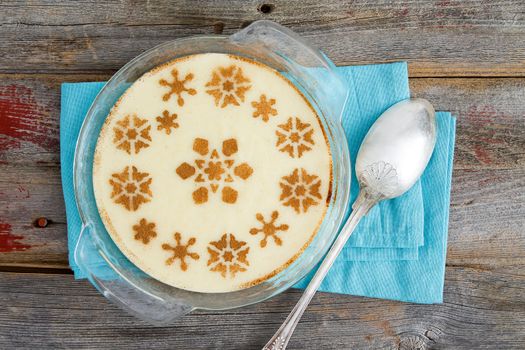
[(283, 335)]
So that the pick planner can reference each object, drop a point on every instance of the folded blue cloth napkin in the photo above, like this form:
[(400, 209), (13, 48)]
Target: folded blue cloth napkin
[(397, 251), (393, 230)]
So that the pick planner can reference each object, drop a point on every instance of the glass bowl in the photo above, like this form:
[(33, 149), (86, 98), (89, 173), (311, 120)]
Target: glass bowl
[(97, 255)]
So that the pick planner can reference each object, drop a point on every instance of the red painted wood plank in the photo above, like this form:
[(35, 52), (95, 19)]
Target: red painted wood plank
[(22, 119), (10, 242)]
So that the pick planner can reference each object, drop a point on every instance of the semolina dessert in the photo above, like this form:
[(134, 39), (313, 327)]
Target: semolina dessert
[(212, 173)]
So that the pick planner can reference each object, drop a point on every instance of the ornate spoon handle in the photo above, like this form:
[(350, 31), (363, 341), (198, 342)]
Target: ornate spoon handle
[(281, 338)]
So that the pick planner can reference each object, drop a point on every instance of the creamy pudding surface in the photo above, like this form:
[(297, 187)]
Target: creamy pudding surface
[(212, 173)]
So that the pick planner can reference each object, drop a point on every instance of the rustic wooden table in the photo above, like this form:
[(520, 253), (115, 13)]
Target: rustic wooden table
[(467, 57)]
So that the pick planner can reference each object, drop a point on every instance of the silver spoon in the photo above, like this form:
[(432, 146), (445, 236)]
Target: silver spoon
[(392, 157)]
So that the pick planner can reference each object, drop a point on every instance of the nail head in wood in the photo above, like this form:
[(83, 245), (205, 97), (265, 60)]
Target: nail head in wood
[(41, 222)]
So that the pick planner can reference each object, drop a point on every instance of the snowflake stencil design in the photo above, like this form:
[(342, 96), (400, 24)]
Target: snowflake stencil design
[(177, 87), (144, 231), (300, 191), (167, 122), (294, 138), (180, 251), (131, 189), (131, 135), (269, 229), (214, 170), (228, 255), (264, 108), (228, 86)]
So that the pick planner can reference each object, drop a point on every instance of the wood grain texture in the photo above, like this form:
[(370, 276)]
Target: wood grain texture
[(452, 47), (491, 115), (483, 308), (488, 178), (486, 218), (30, 117), (27, 193), (437, 37), (491, 119)]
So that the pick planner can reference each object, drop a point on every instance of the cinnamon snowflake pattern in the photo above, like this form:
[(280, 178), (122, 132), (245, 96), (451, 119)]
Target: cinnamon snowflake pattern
[(300, 190), (167, 122), (228, 86), (177, 87), (213, 170), (131, 134), (228, 256), (131, 188), (264, 108), (269, 229), (180, 251), (144, 231), (294, 138)]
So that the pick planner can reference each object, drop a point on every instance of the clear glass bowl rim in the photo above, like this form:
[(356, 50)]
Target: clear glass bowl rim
[(282, 281)]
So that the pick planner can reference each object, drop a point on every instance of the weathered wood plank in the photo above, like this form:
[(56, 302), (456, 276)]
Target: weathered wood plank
[(482, 309), (30, 117), (490, 125), (491, 118), (26, 194), (439, 38), (486, 218)]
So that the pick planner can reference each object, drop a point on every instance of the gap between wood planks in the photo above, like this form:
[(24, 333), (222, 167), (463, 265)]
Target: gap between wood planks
[(104, 74), (62, 270), (36, 269)]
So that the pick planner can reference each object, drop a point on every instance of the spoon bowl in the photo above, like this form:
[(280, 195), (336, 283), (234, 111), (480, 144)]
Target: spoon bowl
[(397, 148)]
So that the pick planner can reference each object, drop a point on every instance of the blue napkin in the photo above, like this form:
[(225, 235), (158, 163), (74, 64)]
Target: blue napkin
[(393, 230), (392, 245), (75, 100), (421, 280)]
